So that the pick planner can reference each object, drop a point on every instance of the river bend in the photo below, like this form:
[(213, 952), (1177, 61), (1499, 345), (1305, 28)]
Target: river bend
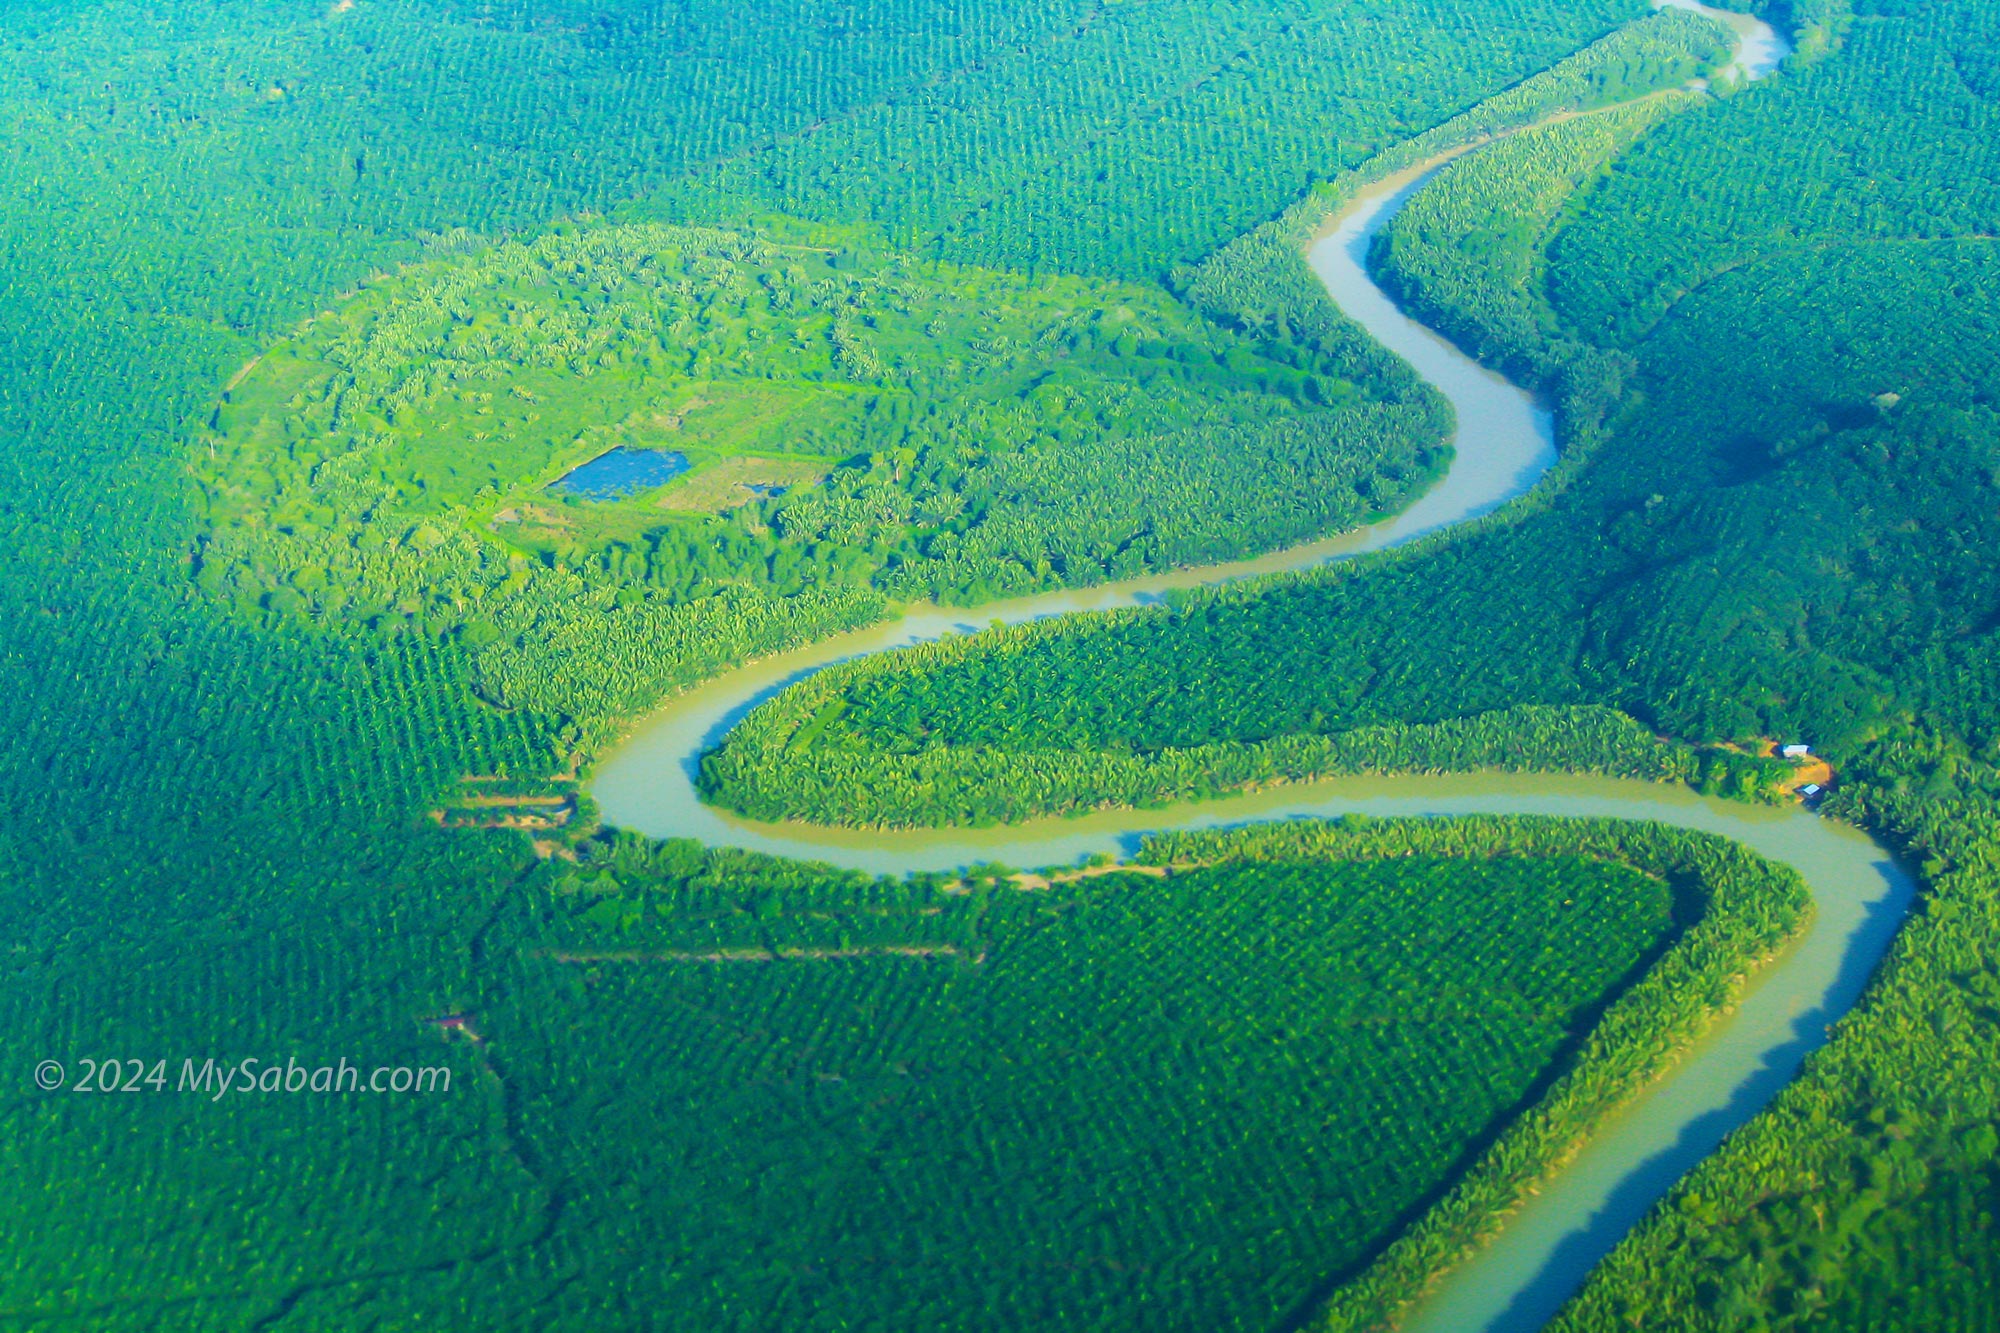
[(1503, 445)]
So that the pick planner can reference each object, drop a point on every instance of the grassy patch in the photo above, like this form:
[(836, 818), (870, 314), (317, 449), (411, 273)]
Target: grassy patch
[(730, 483)]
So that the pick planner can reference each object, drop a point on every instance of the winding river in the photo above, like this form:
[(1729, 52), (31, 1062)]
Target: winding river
[(1504, 445)]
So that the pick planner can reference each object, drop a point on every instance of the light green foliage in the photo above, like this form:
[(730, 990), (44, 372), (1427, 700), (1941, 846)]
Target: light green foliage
[(1257, 279), (860, 774), (1781, 538), (388, 463), (1252, 1066), (1812, 584), (1136, 711), (1465, 256), (217, 836)]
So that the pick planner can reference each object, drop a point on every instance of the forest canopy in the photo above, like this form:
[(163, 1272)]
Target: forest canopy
[(967, 433), (1777, 535), (270, 731)]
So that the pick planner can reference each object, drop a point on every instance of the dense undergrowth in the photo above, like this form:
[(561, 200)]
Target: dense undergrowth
[(384, 469)]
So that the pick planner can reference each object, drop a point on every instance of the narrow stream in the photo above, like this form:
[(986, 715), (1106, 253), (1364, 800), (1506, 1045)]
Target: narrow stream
[(1504, 445)]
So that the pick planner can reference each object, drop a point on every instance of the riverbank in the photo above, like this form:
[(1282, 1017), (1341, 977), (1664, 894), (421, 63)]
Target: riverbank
[(1546, 1245)]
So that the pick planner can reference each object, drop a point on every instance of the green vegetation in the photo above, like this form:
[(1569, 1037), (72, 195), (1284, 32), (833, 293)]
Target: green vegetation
[(383, 468), (1789, 612), (1256, 1067), (732, 482), (1465, 256), (1215, 114), (1862, 1199), (1748, 907), (219, 842), (996, 729), (1780, 537), (387, 465), (1258, 280), (853, 777)]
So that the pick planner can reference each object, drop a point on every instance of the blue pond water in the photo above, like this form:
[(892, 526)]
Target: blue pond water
[(620, 473)]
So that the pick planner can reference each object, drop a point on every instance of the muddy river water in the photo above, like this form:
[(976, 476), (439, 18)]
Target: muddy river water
[(1503, 446)]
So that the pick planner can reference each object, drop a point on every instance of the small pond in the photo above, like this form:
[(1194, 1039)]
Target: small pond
[(622, 472)]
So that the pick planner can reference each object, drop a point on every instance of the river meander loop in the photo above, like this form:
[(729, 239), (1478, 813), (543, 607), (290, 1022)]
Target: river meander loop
[(1503, 445)]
